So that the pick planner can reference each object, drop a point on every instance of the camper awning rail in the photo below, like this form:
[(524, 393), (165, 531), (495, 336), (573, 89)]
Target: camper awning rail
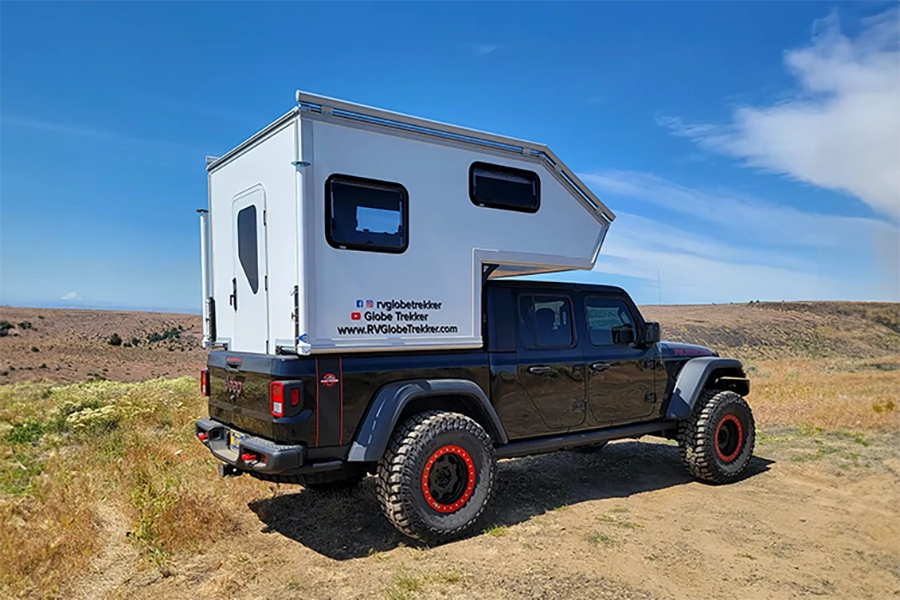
[(375, 116)]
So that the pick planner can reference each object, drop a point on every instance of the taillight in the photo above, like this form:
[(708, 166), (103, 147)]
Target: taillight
[(276, 399), (202, 436), (204, 382)]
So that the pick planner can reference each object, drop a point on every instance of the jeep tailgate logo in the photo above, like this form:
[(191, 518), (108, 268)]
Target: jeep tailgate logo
[(234, 386)]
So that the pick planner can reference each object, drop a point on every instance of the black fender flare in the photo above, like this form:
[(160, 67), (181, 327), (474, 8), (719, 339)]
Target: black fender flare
[(693, 378), (384, 412)]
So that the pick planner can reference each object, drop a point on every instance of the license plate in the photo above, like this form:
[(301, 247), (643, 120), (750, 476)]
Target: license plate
[(234, 440)]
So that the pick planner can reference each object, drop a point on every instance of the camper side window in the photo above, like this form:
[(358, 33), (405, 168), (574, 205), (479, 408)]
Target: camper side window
[(365, 214), (246, 230), (494, 186)]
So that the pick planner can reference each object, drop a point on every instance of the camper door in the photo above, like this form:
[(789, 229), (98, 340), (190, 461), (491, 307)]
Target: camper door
[(249, 293)]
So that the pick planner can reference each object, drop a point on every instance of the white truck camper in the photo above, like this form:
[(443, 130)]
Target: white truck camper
[(345, 228)]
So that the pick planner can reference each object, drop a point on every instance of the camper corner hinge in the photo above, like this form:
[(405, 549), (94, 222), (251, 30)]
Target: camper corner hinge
[(300, 163), (266, 282), (264, 219)]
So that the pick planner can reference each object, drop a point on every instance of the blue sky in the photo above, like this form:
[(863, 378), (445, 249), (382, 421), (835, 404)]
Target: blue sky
[(750, 150)]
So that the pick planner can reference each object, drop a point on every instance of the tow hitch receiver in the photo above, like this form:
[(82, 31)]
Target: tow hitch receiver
[(226, 470)]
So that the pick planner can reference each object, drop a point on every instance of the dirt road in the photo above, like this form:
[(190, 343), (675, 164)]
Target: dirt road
[(817, 516)]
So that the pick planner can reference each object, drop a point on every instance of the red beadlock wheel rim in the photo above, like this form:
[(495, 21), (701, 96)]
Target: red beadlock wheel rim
[(448, 479), (729, 438)]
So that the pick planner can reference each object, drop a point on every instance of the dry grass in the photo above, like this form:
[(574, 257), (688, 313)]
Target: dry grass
[(833, 395), (69, 451)]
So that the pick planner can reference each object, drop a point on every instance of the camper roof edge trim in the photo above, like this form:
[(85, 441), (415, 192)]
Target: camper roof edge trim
[(253, 140), (376, 116)]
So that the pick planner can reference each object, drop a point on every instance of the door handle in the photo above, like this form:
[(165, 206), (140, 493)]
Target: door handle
[(599, 367), (232, 299), (539, 370)]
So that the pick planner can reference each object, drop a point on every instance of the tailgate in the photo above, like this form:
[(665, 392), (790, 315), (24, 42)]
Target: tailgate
[(239, 394)]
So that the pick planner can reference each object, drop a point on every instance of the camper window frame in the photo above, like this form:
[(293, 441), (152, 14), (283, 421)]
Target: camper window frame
[(371, 183), (511, 171)]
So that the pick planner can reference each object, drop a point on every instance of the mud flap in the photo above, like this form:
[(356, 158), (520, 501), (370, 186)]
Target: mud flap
[(329, 402)]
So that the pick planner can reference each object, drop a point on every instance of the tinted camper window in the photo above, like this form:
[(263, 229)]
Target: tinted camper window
[(504, 187), (365, 214), (246, 230)]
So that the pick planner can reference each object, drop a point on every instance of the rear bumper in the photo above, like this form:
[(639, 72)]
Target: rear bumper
[(271, 458)]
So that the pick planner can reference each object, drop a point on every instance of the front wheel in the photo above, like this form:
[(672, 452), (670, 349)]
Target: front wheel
[(716, 441), (437, 476)]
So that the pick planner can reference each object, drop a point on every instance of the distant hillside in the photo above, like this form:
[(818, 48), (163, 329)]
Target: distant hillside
[(73, 345), (785, 329)]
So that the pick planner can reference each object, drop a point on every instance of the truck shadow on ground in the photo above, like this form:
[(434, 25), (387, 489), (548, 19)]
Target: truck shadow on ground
[(350, 525)]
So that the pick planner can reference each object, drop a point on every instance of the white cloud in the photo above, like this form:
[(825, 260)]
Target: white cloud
[(482, 49), (840, 129), (71, 296), (92, 133), (715, 246)]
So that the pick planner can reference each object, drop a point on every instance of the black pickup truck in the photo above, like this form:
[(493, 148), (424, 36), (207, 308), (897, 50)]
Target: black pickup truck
[(563, 366)]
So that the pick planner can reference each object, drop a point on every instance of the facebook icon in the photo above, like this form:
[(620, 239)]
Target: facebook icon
[(359, 304)]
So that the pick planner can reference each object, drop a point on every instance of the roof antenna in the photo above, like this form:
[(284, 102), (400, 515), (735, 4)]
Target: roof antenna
[(658, 288)]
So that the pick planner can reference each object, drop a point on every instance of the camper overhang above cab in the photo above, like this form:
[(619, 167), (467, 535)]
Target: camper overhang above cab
[(344, 228)]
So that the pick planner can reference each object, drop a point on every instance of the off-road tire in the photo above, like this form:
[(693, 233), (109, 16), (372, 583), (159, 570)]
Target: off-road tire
[(327, 481), (700, 438), (403, 476)]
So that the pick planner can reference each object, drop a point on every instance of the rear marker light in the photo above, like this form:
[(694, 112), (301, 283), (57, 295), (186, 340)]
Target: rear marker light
[(295, 397), (276, 399), (204, 382), (203, 436)]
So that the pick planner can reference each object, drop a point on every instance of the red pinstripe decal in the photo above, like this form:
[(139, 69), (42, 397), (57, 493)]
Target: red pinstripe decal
[(317, 402), (341, 383)]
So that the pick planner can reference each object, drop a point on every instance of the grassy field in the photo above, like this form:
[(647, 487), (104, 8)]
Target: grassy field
[(109, 473), (77, 455)]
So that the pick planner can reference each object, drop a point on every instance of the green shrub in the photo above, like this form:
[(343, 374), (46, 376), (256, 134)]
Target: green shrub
[(93, 420), (169, 334), (5, 326), (114, 340), (25, 433)]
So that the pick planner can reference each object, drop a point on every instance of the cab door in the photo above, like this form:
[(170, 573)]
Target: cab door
[(620, 372), (249, 284), (550, 362)]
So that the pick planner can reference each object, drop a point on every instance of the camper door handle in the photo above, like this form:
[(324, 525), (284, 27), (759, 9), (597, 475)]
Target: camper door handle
[(599, 367), (539, 370), (232, 299)]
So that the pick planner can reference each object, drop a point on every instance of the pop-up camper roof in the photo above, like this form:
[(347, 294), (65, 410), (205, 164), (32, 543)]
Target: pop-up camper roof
[(341, 227)]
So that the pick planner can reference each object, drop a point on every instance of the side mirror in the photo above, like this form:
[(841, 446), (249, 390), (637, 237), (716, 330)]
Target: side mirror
[(651, 333)]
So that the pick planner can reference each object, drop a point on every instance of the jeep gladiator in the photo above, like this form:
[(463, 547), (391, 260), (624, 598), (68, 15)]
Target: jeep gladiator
[(562, 366)]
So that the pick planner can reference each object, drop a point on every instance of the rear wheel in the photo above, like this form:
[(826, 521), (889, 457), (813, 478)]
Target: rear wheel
[(437, 476), (716, 442)]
